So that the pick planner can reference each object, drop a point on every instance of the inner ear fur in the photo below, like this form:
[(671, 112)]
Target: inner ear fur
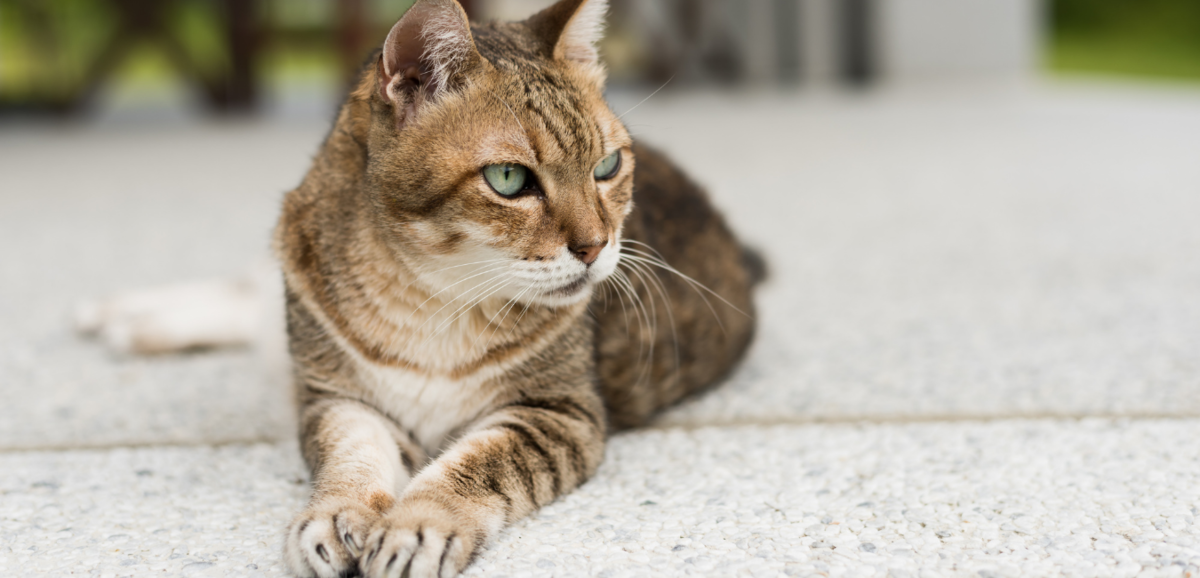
[(424, 53), (570, 29)]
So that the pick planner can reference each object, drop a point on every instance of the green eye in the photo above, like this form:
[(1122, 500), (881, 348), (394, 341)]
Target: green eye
[(507, 180), (608, 167)]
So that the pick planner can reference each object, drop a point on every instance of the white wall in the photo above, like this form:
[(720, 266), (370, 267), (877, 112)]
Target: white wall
[(914, 40), (931, 39), (512, 10)]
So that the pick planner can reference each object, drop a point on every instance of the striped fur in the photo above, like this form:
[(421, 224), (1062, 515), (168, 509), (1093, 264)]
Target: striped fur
[(457, 364)]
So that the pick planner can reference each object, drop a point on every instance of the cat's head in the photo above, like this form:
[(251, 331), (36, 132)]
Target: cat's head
[(494, 165)]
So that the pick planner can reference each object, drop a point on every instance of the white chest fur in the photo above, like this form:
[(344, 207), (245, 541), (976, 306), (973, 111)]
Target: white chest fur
[(429, 407)]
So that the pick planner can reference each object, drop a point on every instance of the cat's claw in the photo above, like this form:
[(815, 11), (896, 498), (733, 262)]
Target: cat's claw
[(413, 543), (326, 540)]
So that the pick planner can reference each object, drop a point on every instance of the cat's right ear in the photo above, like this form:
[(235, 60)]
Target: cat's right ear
[(571, 29), (423, 55)]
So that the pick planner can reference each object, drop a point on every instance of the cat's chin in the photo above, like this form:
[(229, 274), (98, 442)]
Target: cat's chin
[(573, 293)]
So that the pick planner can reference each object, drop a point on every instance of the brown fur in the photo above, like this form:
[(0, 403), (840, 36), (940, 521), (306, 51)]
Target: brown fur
[(433, 413), (700, 335)]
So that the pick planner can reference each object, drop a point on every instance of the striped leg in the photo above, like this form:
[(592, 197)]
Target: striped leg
[(509, 464), (360, 463)]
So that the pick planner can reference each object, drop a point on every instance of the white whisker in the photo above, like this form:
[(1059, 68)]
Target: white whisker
[(518, 321), (463, 265), (512, 304), (657, 284), (647, 98), (616, 289), (462, 295), (491, 289), (653, 313), (693, 284), (643, 318), (634, 254), (452, 285), (510, 110)]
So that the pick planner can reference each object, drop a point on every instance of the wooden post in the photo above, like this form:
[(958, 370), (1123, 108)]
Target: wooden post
[(242, 34), (352, 36)]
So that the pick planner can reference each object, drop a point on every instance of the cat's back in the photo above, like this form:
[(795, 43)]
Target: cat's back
[(688, 327)]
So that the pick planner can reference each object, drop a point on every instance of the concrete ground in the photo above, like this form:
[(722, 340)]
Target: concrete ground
[(979, 349)]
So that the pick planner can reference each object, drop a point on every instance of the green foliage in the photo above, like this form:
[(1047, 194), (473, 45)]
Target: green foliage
[(1148, 38), (47, 47), (46, 44)]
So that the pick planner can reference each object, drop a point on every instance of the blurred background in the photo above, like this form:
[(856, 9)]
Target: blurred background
[(81, 58), (971, 207)]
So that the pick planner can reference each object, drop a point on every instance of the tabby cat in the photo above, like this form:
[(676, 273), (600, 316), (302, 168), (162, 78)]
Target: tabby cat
[(484, 277)]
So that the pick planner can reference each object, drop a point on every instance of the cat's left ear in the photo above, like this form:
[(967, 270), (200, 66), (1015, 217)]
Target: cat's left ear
[(571, 29), (424, 54)]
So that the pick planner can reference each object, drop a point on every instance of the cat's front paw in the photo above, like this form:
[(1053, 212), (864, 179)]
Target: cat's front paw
[(419, 540), (326, 539)]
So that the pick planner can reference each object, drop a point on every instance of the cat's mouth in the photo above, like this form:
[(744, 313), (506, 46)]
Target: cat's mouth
[(570, 289)]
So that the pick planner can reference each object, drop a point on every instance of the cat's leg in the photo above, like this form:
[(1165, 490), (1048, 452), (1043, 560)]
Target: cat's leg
[(506, 466), (360, 463)]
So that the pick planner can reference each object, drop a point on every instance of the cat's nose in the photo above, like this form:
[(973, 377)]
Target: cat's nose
[(588, 253)]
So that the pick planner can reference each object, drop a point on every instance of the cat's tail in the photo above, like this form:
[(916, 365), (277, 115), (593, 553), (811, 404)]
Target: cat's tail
[(755, 264)]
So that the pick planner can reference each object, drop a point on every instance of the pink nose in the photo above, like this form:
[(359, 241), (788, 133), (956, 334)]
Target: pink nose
[(589, 253)]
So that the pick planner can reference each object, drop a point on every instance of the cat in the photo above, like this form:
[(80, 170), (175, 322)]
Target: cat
[(463, 336), (484, 276)]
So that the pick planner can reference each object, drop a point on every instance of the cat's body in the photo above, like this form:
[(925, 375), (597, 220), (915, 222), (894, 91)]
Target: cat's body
[(484, 276), (460, 352)]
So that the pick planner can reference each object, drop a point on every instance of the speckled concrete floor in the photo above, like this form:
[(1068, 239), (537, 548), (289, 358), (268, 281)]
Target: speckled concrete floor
[(935, 256), (1006, 498)]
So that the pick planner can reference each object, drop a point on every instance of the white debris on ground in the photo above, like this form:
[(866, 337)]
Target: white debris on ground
[(1006, 498), (138, 207)]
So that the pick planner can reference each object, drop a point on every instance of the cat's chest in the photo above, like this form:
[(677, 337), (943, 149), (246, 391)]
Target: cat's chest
[(429, 407)]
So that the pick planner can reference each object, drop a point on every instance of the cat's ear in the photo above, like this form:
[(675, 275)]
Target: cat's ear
[(425, 51), (571, 28)]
